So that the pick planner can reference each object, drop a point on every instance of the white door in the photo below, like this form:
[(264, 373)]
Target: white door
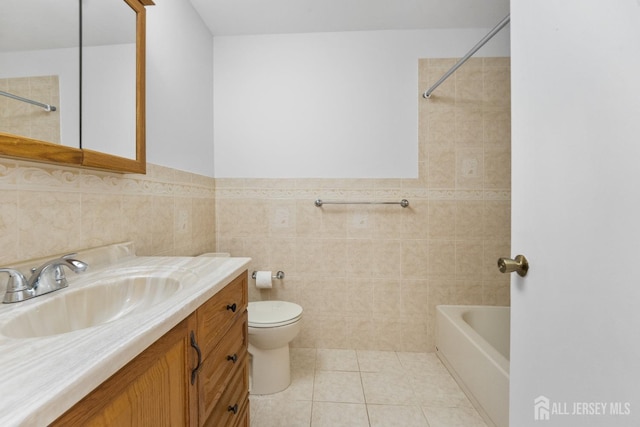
[(575, 334)]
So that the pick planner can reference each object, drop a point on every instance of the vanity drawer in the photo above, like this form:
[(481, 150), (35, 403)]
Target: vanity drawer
[(232, 407), (215, 316), (221, 365)]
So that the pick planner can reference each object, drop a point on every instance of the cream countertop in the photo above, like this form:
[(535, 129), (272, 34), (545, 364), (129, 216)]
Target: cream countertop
[(43, 377)]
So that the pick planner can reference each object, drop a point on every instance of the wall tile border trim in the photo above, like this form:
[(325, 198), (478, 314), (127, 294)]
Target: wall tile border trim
[(161, 181), (359, 194)]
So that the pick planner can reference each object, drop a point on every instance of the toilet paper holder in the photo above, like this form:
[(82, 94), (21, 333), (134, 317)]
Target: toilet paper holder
[(279, 275)]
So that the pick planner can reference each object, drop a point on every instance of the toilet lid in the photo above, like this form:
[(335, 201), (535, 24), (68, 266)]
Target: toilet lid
[(268, 314)]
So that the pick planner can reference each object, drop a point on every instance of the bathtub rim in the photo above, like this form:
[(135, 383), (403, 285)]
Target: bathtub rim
[(454, 313)]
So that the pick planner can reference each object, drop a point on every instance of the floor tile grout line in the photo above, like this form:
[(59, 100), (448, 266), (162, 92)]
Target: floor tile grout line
[(364, 396), (313, 386)]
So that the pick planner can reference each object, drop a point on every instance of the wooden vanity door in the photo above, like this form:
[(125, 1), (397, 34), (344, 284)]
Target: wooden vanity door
[(152, 390)]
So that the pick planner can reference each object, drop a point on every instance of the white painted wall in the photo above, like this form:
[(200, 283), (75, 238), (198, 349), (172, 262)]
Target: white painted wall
[(326, 105), (179, 88), (65, 63), (575, 209)]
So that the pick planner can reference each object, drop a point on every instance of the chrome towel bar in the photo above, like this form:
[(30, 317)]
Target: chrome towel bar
[(404, 203)]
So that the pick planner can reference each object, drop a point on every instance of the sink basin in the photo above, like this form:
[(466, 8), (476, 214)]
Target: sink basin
[(104, 301)]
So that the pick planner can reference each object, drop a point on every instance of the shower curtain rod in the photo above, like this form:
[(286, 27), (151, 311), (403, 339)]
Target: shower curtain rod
[(47, 107), (473, 50)]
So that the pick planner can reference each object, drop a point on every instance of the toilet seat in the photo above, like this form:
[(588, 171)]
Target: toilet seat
[(271, 314)]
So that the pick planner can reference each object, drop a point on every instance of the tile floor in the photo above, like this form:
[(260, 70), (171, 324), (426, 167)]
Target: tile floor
[(349, 388)]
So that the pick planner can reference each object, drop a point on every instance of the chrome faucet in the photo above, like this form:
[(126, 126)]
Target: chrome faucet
[(49, 277)]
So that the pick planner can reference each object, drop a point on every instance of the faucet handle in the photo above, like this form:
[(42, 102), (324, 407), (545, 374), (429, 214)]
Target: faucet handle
[(16, 286)]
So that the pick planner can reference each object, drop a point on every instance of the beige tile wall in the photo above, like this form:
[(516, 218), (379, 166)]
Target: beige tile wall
[(369, 277), (46, 209), (20, 118)]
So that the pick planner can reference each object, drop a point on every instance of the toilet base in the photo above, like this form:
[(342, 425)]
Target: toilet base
[(270, 369)]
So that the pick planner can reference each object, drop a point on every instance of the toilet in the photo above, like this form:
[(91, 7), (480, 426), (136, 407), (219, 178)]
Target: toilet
[(272, 326)]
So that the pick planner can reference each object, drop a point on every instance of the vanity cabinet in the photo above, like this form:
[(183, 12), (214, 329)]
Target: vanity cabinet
[(194, 375)]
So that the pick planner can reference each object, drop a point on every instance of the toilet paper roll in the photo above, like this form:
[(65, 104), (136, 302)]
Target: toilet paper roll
[(263, 280)]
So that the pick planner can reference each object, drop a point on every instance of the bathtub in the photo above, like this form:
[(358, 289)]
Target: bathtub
[(472, 341)]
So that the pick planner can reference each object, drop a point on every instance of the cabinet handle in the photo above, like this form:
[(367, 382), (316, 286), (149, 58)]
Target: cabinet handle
[(232, 307), (194, 371), (233, 409), (233, 358)]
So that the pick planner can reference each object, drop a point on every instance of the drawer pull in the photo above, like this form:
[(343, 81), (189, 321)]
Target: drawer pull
[(233, 409), (232, 307), (233, 358), (194, 371)]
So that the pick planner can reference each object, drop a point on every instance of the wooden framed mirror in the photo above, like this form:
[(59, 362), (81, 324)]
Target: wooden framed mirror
[(22, 147)]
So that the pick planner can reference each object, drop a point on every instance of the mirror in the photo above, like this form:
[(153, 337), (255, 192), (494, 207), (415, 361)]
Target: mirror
[(40, 64), (108, 77), (102, 109)]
